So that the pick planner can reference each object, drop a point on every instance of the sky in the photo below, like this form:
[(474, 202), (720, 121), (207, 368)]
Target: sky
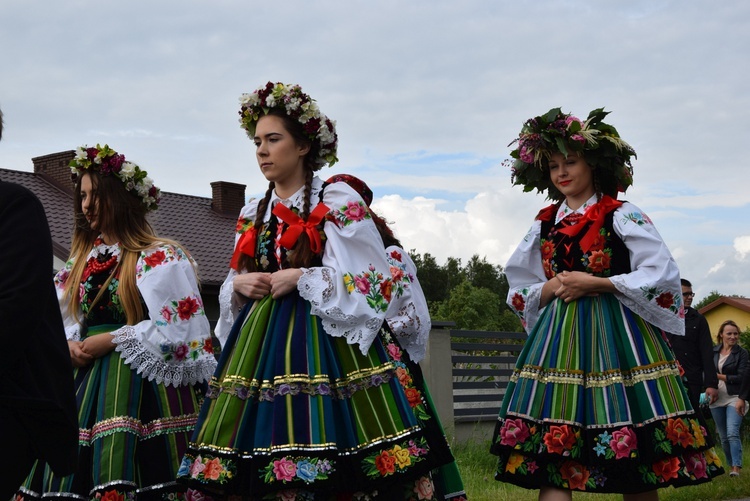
[(426, 96)]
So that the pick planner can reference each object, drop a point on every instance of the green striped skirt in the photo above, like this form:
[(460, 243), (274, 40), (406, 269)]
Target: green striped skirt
[(596, 403), (133, 433), (293, 409)]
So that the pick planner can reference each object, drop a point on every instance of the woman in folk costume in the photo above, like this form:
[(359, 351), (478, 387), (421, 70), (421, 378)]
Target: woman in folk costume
[(138, 337), (306, 402), (408, 320), (596, 402)]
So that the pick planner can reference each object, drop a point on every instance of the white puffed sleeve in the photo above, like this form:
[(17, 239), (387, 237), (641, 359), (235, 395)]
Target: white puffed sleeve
[(352, 290), (652, 290), (172, 346), (526, 278), (408, 316), (72, 319), (229, 302)]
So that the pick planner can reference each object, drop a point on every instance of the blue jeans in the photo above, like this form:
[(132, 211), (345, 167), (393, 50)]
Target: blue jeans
[(728, 425)]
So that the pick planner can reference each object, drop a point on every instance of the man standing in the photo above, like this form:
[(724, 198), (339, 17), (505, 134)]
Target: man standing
[(694, 351)]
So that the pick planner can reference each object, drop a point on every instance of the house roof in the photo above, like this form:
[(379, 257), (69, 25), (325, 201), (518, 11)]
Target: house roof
[(191, 220), (741, 303)]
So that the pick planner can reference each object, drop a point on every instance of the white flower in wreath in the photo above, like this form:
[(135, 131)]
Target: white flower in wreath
[(270, 101), (81, 154), (127, 171)]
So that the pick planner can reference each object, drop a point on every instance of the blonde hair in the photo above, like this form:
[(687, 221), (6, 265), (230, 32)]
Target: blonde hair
[(123, 216), (719, 336)]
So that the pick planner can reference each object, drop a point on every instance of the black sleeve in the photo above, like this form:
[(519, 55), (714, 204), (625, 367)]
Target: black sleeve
[(742, 364), (25, 267)]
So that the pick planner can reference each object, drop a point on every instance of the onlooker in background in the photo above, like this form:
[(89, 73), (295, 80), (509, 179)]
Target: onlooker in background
[(694, 351), (38, 412), (731, 362)]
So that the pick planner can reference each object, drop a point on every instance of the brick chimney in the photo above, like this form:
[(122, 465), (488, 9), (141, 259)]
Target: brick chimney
[(54, 168), (227, 198)]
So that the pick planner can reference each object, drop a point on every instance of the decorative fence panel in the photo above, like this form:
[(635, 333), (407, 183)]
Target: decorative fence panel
[(482, 364)]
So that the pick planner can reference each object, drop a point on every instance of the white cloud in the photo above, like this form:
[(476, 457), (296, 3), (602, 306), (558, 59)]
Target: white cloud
[(742, 246)]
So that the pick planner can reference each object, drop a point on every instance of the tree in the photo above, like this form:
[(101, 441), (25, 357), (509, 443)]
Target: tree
[(476, 308), (432, 277), (712, 296)]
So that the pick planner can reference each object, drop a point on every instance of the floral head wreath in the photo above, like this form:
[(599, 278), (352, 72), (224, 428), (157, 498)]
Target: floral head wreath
[(298, 106), (598, 142), (107, 162)]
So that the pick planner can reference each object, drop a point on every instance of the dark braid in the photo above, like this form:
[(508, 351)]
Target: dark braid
[(246, 262)]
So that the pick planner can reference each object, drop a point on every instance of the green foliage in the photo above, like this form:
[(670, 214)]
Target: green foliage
[(712, 296), (472, 296), (474, 308)]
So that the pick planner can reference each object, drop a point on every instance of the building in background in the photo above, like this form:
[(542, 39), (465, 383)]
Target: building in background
[(727, 308)]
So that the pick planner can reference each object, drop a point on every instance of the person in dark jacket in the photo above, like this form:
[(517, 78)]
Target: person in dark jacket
[(694, 351), (38, 411), (732, 365)]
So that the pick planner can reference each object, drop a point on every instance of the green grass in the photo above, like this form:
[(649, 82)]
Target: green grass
[(477, 467)]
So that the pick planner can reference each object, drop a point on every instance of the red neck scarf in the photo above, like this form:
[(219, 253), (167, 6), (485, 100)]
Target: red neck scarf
[(594, 214)]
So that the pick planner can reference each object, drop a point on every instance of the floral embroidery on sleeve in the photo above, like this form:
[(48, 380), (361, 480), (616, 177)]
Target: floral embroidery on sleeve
[(371, 284), (157, 258), (638, 218), (184, 309), (663, 298), (350, 213), (186, 351), (401, 279)]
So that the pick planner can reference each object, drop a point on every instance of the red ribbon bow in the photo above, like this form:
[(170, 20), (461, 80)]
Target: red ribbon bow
[(297, 225), (245, 245), (594, 214)]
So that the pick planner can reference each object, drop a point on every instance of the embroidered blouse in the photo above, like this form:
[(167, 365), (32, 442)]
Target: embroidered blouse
[(649, 286), (408, 316), (172, 346), (353, 286)]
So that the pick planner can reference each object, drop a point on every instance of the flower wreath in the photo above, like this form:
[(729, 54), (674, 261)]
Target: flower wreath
[(107, 162), (598, 142), (297, 105)]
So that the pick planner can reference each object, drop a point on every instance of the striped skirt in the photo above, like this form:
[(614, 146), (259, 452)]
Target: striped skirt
[(596, 404), (293, 413), (133, 433)]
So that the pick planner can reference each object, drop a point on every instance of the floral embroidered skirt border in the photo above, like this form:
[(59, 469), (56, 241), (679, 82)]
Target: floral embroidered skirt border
[(293, 409), (133, 433), (596, 404)]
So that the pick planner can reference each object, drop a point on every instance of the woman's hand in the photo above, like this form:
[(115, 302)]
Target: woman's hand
[(740, 407), (254, 285), (98, 345), (576, 284), (78, 357), (284, 281)]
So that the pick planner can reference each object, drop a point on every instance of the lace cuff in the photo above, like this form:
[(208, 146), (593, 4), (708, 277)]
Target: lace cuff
[(153, 368), (73, 333)]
